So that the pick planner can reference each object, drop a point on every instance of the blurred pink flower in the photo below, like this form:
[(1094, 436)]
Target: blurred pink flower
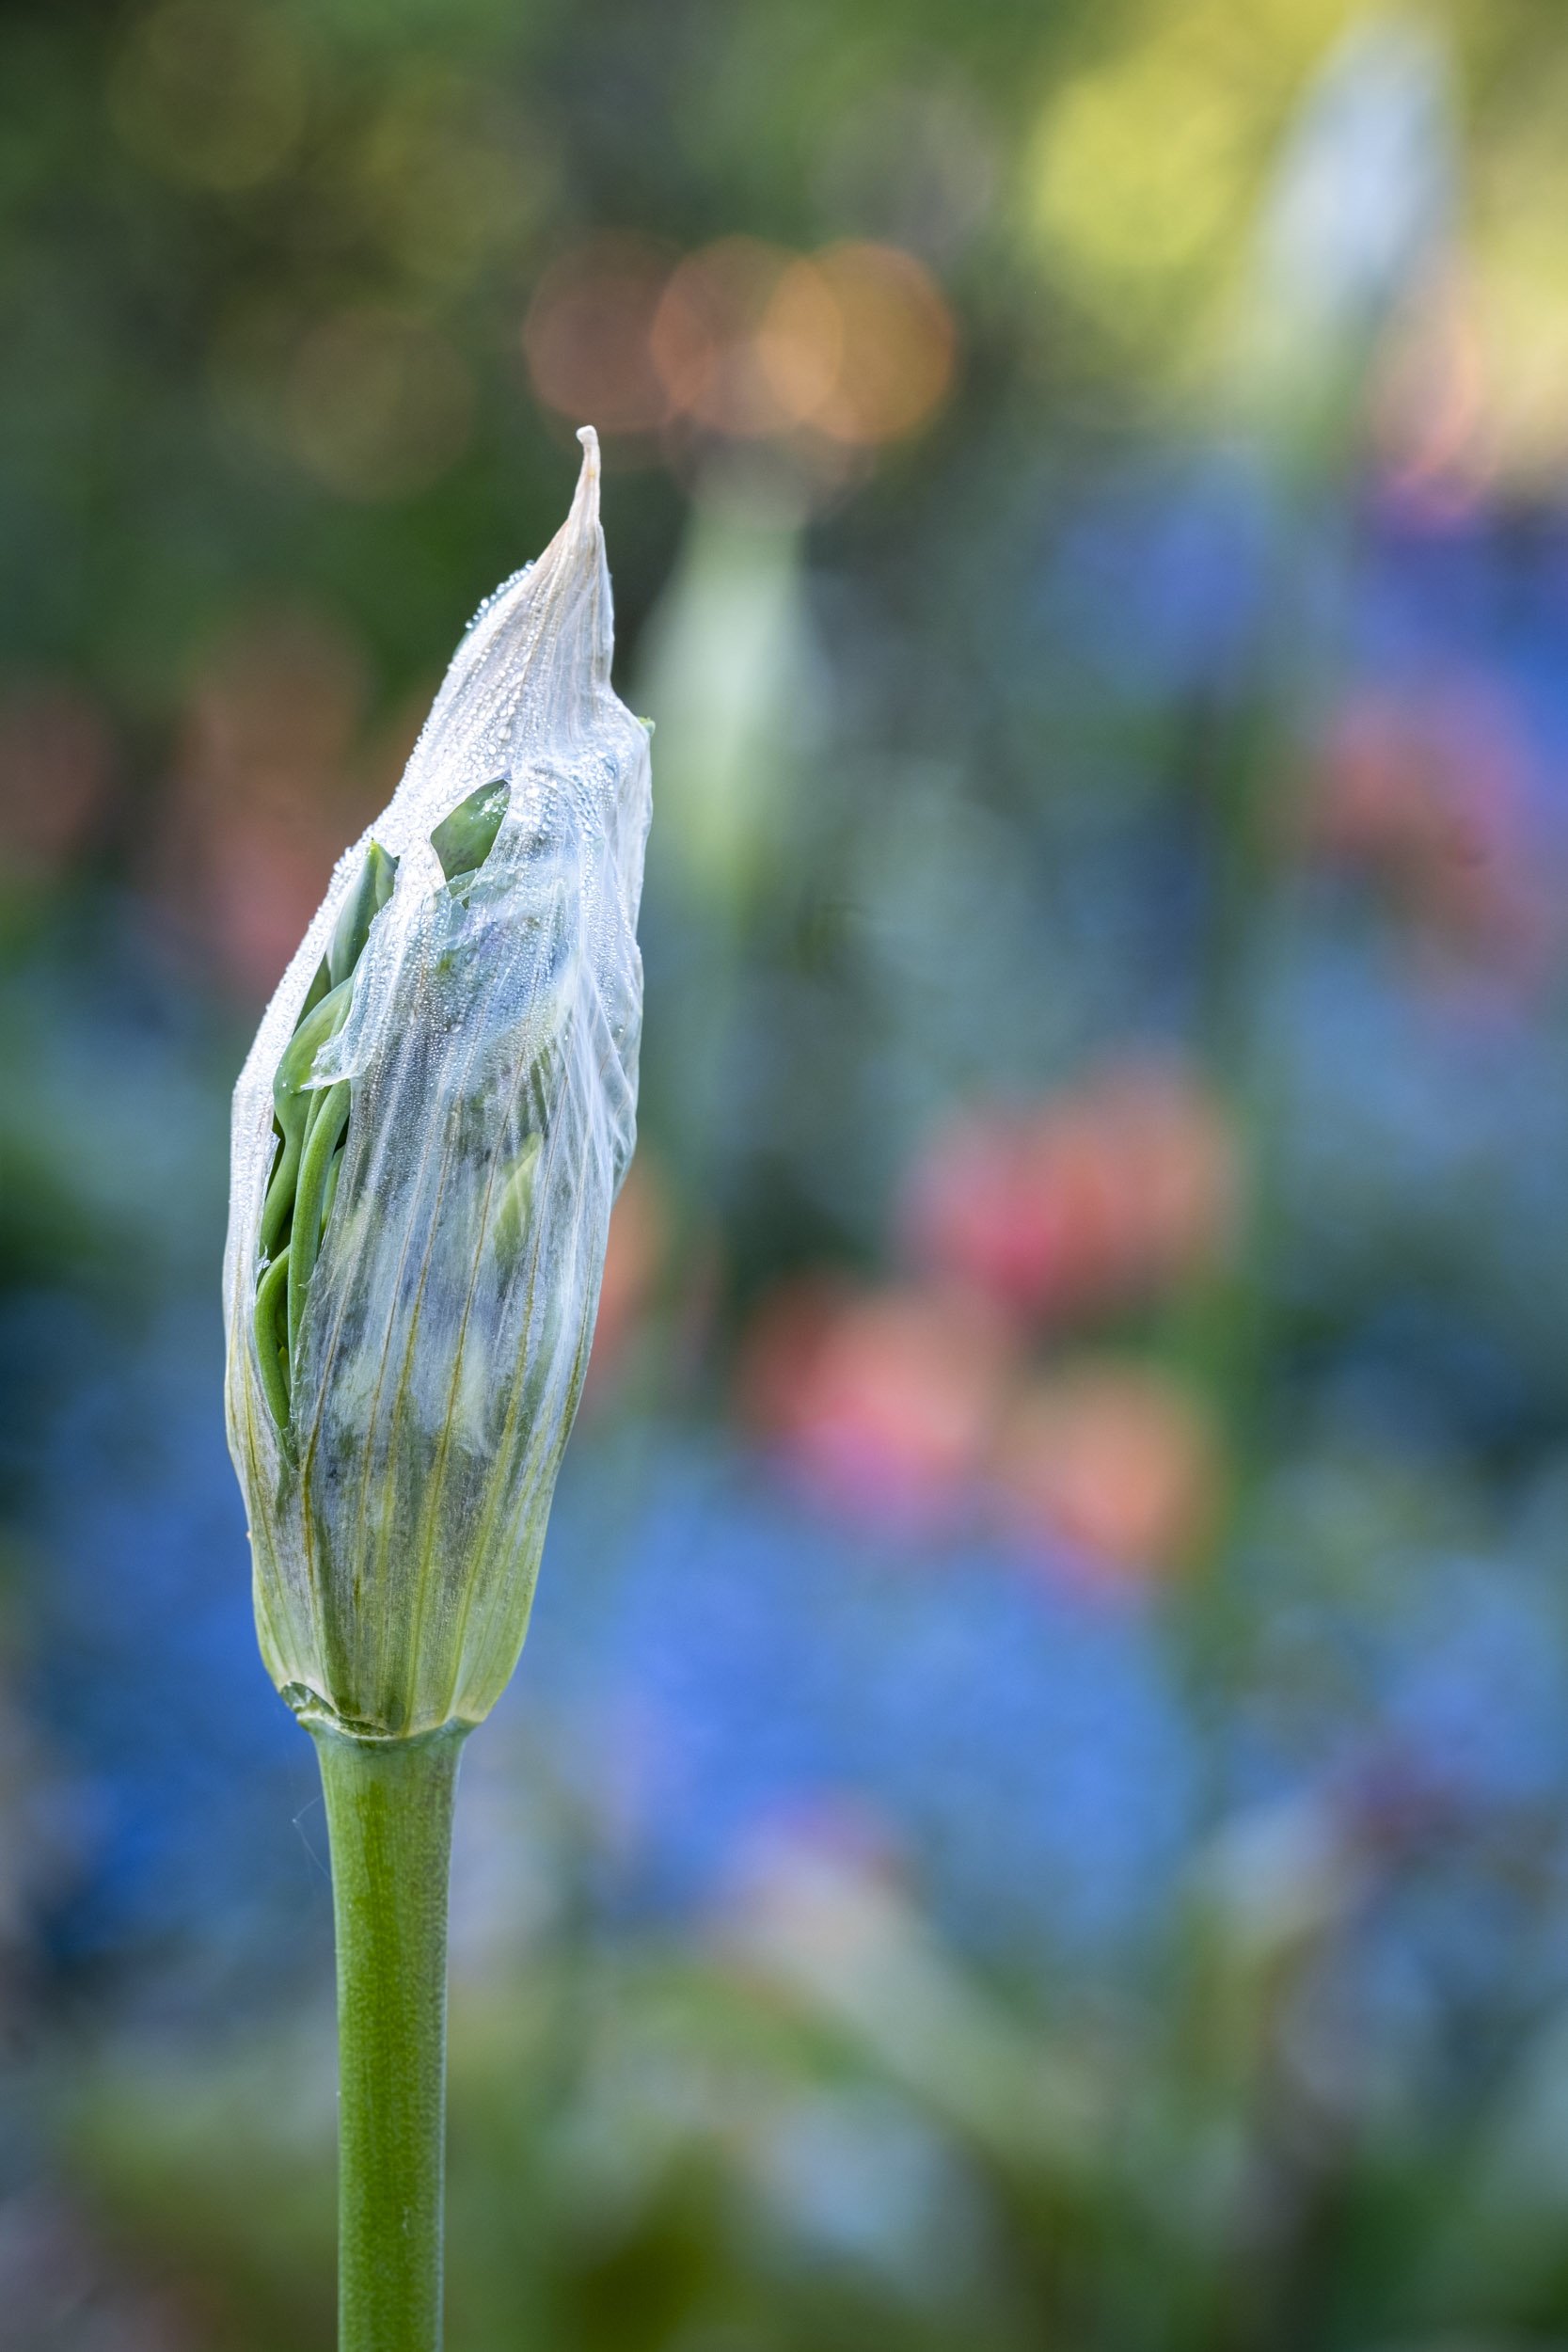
[(1432, 799), (1118, 1187)]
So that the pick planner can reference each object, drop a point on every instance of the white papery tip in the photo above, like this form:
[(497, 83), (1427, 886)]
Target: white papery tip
[(582, 526)]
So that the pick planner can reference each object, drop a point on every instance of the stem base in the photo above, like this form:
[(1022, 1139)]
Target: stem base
[(388, 1813)]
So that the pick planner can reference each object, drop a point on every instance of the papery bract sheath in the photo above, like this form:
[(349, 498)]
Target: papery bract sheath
[(487, 1060)]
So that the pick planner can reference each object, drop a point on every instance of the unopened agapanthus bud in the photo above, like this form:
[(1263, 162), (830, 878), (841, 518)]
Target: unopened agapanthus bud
[(428, 1136)]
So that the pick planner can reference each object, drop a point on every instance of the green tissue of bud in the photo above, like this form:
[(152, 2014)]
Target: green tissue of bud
[(465, 839), (310, 1124)]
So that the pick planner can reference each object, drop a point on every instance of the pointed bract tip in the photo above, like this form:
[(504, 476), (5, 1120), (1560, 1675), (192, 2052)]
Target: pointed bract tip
[(585, 504)]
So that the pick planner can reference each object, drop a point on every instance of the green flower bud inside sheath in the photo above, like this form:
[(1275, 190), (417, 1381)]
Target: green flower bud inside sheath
[(310, 1127), (428, 1137), (465, 839)]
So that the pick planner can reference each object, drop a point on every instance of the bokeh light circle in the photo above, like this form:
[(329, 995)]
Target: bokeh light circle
[(586, 335)]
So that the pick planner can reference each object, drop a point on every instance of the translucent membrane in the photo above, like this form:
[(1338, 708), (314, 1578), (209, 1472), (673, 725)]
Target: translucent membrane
[(490, 1053)]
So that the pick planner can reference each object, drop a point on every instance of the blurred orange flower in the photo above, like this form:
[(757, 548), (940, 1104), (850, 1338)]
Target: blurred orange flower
[(707, 340), (1116, 1188), (893, 341), (883, 1402), (855, 343), (1116, 1464)]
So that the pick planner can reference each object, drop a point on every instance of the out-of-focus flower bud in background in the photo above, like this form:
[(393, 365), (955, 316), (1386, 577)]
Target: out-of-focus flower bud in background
[(1359, 216)]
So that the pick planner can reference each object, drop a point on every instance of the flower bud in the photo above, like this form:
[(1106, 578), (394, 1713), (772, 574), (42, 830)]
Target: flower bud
[(428, 1136)]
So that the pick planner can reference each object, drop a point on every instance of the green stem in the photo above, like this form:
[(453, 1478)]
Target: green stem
[(388, 1813)]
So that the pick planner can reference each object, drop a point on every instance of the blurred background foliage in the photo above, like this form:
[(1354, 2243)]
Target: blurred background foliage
[(1034, 1811)]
